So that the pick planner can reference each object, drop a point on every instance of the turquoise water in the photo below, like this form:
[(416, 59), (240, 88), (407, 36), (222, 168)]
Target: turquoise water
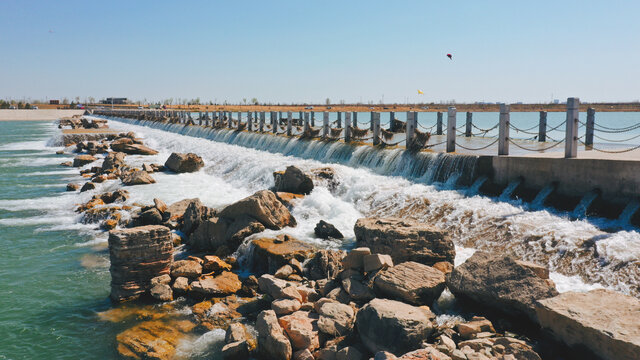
[(51, 285)]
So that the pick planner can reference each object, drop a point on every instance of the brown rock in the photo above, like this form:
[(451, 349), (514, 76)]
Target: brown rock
[(285, 306), (133, 149), (272, 343), (217, 232), (411, 282), (138, 255), (444, 266), (324, 264), (160, 205), (388, 325), (194, 215), (181, 163), (500, 282), (181, 285), (293, 180), (288, 199), (177, 209), (336, 319), (355, 258), (475, 326), (272, 254), (161, 292), (138, 178), (349, 353), (375, 262), (88, 186), (186, 268), (214, 264), (72, 187), (278, 288), (114, 160), (82, 160), (155, 339), (324, 230), (604, 321), (224, 284), (405, 240), (262, 206), (301, 329)]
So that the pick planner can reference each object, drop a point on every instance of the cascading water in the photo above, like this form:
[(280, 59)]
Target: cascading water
[(541, 197), (628, 212), (372, 182), (511, 187), (582, 207)]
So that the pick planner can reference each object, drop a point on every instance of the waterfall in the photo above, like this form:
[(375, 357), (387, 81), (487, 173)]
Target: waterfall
[(582, 207), (425, 167), (506, 193), (628, 212), (542, 196), (474, 189)]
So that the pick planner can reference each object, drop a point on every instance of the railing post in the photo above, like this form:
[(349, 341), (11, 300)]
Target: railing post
[(249, 121), (355, 120), (306, 128), (313, 119), (289, 123), (571, 135), (339, 122), (451, 129), (347, 127), (229, 120), (591, 120), (371, 122), (409, 129), (375, 121), (239, 120), (392, 116), (299, 118), (439, 123), (503, 130), (261, 125), (325, 125), (542, 131), (467, 130)]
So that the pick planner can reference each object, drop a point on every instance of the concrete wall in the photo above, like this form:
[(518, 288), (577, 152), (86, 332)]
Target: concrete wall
[(619, 180), (35, 115)]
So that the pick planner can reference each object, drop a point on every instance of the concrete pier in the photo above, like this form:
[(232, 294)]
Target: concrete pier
[(503, 130), (571, 138), (451, 129), (468, 127)]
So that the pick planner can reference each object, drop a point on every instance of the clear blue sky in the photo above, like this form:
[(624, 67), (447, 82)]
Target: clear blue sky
[(307, 51)]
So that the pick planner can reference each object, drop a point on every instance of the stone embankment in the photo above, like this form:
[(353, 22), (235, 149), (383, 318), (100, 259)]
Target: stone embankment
[(384, 299)]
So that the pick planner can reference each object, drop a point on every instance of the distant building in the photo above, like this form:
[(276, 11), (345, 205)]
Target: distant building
[(54, 102), (556, 101), (117, 101)]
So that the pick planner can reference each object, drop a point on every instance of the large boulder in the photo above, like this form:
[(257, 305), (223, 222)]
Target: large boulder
[(262, 206), (219, 231), (82, 160), (604, 321), (182, 163), (411, 282), (325, 264), (133, 149), (301, 327), (389, 325), (405, 240), (194, 215), (272, 343), (293, 180), (190, 269), (155, 339), (138, 255), (270, 255), (501, 282), (138, 178), (336, 319), (178, 208), (113, 160)]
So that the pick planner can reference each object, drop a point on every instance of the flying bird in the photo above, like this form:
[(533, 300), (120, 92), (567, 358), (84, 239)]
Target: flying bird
[(450, 56), (50, 31)]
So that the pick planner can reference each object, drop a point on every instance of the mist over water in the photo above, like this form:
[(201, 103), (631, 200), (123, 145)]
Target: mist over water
[(55, 269)]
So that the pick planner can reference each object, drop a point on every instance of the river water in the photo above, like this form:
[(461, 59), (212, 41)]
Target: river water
[(55, 271)]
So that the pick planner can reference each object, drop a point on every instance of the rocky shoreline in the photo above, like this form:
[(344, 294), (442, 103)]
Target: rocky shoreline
[(281, 298)]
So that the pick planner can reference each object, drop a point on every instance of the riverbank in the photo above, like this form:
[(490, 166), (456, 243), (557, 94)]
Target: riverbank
[(36, 115)]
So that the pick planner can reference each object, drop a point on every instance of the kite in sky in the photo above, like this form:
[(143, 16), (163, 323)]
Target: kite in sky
[(420, 92), (450, 56)]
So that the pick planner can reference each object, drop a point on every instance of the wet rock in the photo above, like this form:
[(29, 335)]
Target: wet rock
[(285, 306), (475, 326), (177, 209), (194, 215), (186, 268), (138, 255), (336, 319), (301, 329), (67, 163), (138, 178), (162, 279), (357, 290), (293, 180), (389, 325), (375, 262), (148, 168), (155, 339), (284, 272), (72, 187), (444, 266), (235, 351), (272, 254), (262, 206), (88, 186), (112, 161), (427, 353), (405, 240), (303, 355), (160, 205), (181, 163), (278, 288), (216, 232), (500, 282), (411, 282), (133, 149), (120, 195), (349, 353), (288, 199), (272, 343), (324, 230), (224, 284), (149, 217), (214, 264), (604, 321), (324, 264), (82, 160), (161, 292)]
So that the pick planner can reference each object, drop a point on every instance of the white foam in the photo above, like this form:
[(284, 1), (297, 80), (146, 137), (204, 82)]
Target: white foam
[(202, 346), (571, 283)]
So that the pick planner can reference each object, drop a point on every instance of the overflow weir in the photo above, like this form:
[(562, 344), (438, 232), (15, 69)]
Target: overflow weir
[(602, 187)]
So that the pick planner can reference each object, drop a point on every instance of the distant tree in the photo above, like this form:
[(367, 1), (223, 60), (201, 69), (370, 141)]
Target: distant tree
[(20, 106), (254, 101), (92, 100), (27, 106), (244, 100), (65, 101), (77, 98)]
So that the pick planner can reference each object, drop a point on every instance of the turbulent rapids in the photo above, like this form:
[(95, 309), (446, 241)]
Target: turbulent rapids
[(437, 189)]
